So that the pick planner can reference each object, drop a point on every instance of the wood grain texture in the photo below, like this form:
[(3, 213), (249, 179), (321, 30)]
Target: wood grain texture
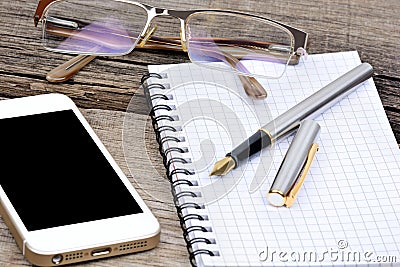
[(104, 88)]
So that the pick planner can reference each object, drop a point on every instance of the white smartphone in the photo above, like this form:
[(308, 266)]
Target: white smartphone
[(62, 195)]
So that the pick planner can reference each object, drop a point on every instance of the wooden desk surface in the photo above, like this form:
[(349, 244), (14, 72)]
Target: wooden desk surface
[(104, 88)]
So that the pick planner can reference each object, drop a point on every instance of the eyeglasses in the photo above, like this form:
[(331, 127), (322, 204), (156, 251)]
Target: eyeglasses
[(249, 45)]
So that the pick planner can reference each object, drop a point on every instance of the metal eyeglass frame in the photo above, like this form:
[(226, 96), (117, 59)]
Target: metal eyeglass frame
[(146, 40)]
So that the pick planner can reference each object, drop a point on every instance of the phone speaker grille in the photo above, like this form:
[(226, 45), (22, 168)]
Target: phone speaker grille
[(133, 246), (73, 256)]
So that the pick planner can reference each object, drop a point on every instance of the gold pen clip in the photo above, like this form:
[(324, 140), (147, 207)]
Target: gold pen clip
[(292, 194)]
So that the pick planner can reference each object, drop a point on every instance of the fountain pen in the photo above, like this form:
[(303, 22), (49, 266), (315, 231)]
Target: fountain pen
[(290, 120)]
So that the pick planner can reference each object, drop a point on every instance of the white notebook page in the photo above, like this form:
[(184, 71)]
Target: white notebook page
[(347, 210)]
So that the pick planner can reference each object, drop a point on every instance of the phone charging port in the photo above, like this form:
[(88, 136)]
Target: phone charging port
[(101, 252)]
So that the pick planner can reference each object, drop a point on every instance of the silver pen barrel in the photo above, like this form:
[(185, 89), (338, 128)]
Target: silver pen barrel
[(318, 102), (289, 121)]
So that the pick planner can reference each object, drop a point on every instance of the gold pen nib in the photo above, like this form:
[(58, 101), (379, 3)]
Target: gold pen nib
[(223, 166)]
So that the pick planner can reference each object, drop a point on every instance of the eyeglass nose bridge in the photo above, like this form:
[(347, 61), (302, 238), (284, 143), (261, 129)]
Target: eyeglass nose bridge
[(181, 15)]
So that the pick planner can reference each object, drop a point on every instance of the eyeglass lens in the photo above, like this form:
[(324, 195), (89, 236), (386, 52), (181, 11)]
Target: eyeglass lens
[(97, 27), (256, 47)]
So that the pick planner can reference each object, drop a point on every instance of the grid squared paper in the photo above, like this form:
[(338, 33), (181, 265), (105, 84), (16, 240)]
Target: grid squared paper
[(347, 211)]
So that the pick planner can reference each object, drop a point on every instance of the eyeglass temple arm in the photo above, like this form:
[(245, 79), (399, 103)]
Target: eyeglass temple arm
[(65, 71), (251, 86), (175, 44), (68, 69)]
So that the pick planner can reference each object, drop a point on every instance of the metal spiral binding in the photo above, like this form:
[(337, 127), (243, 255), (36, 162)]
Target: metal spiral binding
[(161, 139)]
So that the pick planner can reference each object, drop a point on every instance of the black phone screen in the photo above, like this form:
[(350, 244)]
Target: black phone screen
[(54, 174)]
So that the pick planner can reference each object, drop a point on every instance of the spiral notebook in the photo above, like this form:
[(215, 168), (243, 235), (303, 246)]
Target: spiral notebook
[(347, 210)]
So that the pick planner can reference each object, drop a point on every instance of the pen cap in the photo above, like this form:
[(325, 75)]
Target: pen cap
[(293, 162)]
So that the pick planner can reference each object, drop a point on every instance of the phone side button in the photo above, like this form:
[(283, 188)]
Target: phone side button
[(101, 252)]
